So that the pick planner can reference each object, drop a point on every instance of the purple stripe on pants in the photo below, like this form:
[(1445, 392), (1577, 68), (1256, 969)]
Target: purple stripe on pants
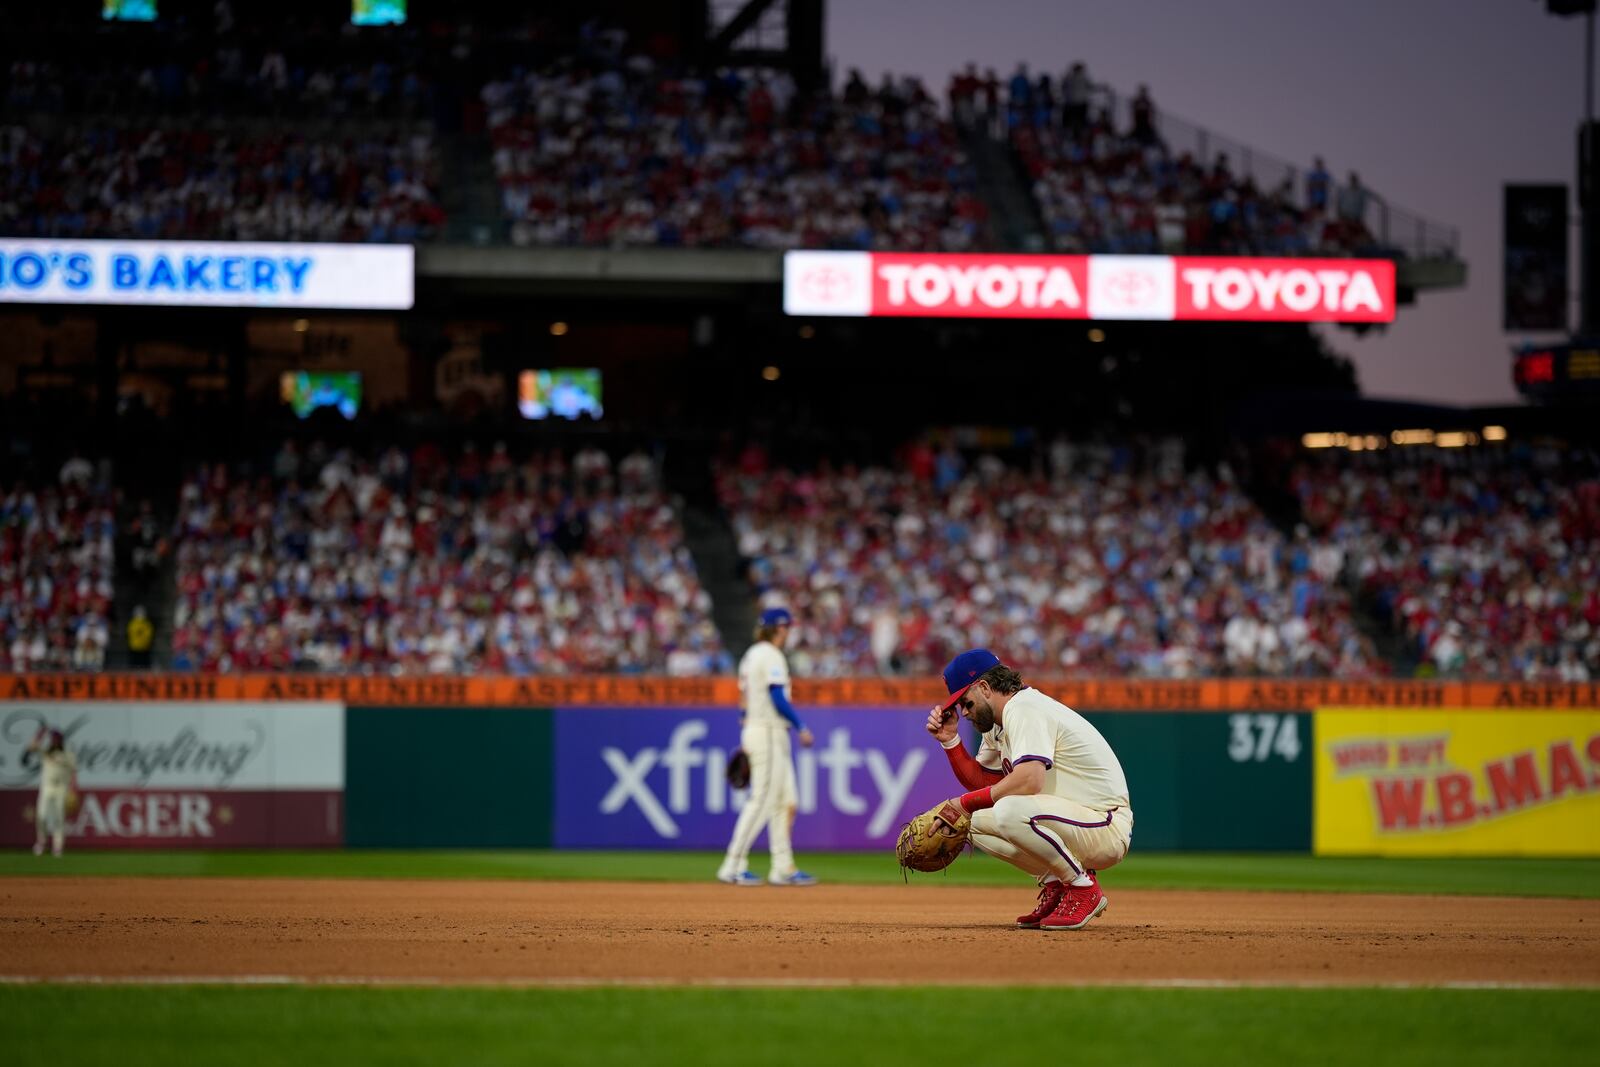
[(1051, 840)]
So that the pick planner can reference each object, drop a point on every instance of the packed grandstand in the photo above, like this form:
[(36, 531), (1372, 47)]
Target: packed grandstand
[(1113, 552), (1092, 558), (247, 130)]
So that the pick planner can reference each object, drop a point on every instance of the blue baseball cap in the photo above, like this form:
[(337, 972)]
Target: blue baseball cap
[(777, 617), (964, 670)]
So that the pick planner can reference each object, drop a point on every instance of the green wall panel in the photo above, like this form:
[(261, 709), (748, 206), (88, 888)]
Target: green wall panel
[(1216, 781), (448, 777)]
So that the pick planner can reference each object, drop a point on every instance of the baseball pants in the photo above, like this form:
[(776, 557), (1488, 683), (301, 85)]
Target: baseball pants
[(1050, 835), (51, 812), (770, 803)]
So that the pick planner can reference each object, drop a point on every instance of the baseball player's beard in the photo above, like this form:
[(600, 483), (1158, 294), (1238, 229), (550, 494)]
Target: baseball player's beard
[(982, 716)]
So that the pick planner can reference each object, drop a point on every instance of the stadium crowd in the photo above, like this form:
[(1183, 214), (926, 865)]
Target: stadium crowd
[(280, 71), (1099, 562), (150, 181), (1101, 188), (422, 563), (57, 553), (1095, 559), (175, 129), (299, 59), (619, 151), (1487, 560), (147, 132)]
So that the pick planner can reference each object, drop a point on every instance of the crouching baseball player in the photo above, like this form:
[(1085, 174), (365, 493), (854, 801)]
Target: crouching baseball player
[(1047, 793)]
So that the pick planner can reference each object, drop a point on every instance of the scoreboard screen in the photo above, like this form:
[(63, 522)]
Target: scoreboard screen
[(1553, 371)]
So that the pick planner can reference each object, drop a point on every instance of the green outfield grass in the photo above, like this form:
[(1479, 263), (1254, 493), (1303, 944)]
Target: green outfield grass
[(1129, 1027), (1519, 877)]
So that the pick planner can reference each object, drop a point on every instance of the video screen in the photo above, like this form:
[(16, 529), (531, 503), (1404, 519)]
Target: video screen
[(561, 393), (306, 391), (128, 10), (377, 12)]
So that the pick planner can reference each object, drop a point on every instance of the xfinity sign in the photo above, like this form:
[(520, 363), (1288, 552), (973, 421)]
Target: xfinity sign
[(207, 274), (835, 760), (656, 778), (1159, 288)]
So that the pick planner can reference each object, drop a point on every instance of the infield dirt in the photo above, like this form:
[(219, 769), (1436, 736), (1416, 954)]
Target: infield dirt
[(538, 932)]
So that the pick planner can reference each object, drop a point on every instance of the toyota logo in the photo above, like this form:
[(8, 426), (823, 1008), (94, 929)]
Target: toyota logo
[(826, 285), (1129, 288)]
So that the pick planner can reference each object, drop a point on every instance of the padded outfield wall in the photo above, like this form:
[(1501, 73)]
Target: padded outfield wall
[(1402, 768)]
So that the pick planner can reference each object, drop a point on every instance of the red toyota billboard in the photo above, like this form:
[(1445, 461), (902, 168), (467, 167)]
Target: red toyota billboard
[(1161, 288)]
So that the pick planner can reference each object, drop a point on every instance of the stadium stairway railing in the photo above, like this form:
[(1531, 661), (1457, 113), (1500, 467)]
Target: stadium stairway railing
[(721, 569), (469, 190), (1014, 218)]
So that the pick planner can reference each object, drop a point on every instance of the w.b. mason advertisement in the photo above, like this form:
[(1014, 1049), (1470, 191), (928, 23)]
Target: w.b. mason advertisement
[(183, 775), (1457, 783)]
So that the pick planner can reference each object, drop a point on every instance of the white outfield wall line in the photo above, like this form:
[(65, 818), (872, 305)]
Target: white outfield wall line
[(377, 981)]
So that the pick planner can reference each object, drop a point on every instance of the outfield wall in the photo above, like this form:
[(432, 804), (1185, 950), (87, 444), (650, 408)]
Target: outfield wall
[(184, 775), (1406, 768)]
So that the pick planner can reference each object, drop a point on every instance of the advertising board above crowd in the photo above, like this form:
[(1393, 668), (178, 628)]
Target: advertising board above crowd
[(1157, 288), (207, 274)]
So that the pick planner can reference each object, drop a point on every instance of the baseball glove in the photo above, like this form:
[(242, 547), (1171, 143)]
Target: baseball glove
[(739, 769), (933, 840), (72, 803)]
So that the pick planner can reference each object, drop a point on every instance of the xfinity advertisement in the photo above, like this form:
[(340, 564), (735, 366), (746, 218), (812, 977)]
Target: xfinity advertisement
[(647, 778)]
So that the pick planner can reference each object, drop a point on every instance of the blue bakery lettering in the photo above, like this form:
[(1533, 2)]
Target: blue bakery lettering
[(191, 273), (76, 272), (263, 276), (162, 274), (197, 276), (28, 270), (124, 271), (297, 269)]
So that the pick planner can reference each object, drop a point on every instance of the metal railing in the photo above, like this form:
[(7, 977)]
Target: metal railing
[(1398, 230)]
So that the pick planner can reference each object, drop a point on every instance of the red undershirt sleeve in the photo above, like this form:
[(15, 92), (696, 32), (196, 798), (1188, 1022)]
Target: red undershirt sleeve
[(969, 772)]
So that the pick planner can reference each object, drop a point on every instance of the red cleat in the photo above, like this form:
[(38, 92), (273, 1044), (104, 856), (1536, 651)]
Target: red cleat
[(1078, 905), (1049, 897)]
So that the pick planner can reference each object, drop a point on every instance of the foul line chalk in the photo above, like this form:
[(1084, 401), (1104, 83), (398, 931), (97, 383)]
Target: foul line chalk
[(726, 983)]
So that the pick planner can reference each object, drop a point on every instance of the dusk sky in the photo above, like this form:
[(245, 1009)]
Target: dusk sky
[(1435, 103)]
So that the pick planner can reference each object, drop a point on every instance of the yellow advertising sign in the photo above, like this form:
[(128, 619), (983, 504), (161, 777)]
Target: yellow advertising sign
[(1457, 783)]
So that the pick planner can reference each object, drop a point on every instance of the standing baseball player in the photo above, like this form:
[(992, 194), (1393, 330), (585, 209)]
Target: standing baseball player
[(1047, 793), (58, 771), (768, 717)]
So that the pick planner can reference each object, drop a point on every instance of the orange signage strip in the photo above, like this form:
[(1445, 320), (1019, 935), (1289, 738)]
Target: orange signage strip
[(1088, 694)]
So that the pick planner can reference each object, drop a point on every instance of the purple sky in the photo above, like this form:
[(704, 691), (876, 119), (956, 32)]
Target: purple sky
[(1436, 103)]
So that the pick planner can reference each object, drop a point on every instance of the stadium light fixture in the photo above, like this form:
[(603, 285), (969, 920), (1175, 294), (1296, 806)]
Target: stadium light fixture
[(1456, 439), (770, 373), (558, 329), (1412, 437), (302, 325), (1096, 335), (1494, 433)]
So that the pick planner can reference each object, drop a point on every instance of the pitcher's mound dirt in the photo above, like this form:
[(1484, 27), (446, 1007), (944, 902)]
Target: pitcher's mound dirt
[(554, 931)]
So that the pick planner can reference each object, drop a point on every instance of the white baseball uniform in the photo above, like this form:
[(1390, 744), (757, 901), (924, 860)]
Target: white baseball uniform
[(765, 738), (1081, 820), (55, 778)]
